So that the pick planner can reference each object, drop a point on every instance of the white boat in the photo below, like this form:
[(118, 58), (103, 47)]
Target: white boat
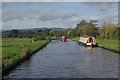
[(88, 41)]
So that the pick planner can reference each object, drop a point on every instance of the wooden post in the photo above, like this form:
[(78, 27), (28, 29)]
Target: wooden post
[(33, 41)]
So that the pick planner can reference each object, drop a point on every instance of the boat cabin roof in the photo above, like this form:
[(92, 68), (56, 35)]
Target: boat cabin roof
[(86, 36)]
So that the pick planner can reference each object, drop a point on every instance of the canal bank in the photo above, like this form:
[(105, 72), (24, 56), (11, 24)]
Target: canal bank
[(109, 49), (11, 66)]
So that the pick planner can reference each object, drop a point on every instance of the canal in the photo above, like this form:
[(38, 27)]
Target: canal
[(68, 60)]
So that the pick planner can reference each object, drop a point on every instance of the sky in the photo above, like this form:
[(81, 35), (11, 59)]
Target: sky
[(26, 15)]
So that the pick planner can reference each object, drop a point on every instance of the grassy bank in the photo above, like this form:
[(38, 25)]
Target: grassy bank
[(75, 39), (13, 49), (112, 44), (52, 38)]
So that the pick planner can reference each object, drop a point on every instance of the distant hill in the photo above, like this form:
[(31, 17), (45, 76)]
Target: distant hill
[(33, 30)]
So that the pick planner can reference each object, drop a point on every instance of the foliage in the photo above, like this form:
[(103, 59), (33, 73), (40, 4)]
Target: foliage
[(41, 35), (84, 28), (57, 33), (14, 33), (27, 34), (108, 31), (39, 30)]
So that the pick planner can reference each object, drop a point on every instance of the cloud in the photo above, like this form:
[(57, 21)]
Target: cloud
[(60, 0), (35, 13), (32, 0), (51, 18), (37, 17), (107, 6), (109, 17), (101, 0), (102, 6), (43, 17), (113, 17)]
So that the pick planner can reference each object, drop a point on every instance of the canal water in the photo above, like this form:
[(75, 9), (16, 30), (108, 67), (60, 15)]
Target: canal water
[(68, 60)]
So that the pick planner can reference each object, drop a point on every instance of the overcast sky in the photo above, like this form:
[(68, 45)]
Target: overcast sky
[(25, 15)]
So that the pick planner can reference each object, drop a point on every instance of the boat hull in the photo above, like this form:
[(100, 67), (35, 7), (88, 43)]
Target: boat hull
[(88, 44), (64, 40)]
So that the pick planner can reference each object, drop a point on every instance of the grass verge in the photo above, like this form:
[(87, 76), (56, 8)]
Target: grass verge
[(52, 38), (15, 48), (111, 44), (75, 39)]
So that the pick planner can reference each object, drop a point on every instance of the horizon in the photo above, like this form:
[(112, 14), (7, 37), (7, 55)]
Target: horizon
[(32, 28)]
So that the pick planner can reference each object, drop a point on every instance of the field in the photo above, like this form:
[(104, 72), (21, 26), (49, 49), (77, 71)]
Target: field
[(112, 44), (14, 48)]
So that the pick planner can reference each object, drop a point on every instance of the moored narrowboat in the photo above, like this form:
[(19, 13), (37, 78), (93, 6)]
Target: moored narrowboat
[(64, 38), (88, 41)]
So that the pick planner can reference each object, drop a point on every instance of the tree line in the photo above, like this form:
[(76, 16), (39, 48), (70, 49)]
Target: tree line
[(106, 31), (40, 35)]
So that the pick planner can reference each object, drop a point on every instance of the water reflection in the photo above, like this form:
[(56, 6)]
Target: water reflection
[(89, 48)]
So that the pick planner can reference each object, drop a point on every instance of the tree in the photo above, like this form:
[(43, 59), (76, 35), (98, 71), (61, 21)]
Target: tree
[(84, 28), (69, 30), (93, 21), (39, 30), (83, 22), (14, 33), (102, 30), (6, 35), (108, 31), (26, 34)]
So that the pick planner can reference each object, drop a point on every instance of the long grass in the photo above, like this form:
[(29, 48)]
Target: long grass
[(14, 48)]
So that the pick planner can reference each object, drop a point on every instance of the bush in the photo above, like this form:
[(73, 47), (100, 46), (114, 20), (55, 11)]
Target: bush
[(48, 38)]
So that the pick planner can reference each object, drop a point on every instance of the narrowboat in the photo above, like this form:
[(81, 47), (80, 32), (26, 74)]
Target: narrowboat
[(64, 38), (88, 41)]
